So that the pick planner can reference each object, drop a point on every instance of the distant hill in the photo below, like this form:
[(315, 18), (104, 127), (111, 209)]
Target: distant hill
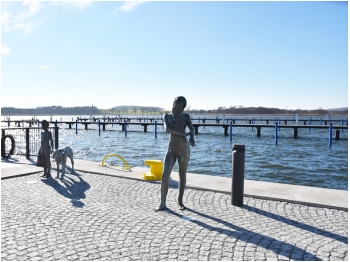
[(137, 107), (150, 110), (338, 109), (143, 109)]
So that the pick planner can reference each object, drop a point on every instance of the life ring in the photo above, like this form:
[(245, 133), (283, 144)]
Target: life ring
[(3, 153)]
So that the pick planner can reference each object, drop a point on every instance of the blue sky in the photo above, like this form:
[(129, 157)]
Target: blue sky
[(216, 54)]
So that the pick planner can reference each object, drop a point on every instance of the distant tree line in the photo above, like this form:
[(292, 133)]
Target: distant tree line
[(129, 110), (85, 110), (234, 110)]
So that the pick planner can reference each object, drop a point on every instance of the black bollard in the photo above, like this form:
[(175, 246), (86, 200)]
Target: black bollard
[(238, 158)]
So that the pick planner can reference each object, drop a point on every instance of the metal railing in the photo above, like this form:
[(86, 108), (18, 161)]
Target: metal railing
[(24, 141)]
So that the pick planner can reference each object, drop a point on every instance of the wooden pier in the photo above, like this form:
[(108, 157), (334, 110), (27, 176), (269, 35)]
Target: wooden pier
[(230, 123)]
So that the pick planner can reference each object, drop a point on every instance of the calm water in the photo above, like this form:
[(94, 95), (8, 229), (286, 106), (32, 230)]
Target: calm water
[(306, 160)]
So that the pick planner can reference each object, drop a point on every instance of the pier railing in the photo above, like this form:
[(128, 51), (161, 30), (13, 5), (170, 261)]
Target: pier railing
[(24, 141)]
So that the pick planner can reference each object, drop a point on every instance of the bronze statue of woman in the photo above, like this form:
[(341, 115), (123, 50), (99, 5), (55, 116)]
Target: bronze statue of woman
[(178, 149)]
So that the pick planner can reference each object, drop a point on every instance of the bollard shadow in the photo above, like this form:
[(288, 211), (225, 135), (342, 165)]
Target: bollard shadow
[(73, 188), (248, 236), (297, 224)]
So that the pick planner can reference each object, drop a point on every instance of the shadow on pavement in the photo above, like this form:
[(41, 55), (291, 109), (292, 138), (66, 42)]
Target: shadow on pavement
[(74, 187), (248, 236), (297, 224)]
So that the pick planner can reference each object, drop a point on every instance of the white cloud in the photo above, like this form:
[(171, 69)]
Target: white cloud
[(27, 27), (5, 50), (23, 20), (78, 4), (44, 67), (5, 17), (131, 5)]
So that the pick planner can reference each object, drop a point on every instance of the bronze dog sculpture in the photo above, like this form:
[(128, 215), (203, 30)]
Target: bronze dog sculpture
[(60, 156)]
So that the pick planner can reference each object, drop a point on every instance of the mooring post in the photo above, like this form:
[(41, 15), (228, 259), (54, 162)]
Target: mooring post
[(237, 189), (125, 128), (276, 133), (225, 130), (76, 127), (231, 131), (309, 125), (203, 123), (8, 122), (155, 129), (295, 132), (195, 130), (27, 143), (99, 127), (337, 134), (258, 131), (330, 134), (342, 123)]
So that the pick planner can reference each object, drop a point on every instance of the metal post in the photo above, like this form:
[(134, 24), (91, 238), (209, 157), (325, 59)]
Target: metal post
[(204, 122), (276, 133), (237, 189), (155, 129), (330, 134), (309, 125), (27, 143), (125, 128), (56, 137), (76, 127), (231, 131), (99, 128)]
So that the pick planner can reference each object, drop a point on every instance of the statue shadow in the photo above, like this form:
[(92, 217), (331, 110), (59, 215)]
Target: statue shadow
[(255, 238), (72, 187), (297, 224)]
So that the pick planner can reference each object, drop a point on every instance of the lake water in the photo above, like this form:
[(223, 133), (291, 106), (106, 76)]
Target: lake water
[(307, 160)]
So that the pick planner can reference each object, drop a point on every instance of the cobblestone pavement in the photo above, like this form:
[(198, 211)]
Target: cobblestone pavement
[(96, 217)]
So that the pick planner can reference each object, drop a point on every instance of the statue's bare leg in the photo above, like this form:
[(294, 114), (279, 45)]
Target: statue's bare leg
[(183, 164), (47, 165), (169, 163)]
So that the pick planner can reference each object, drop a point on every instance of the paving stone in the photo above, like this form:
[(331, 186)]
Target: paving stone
[(116, 221)]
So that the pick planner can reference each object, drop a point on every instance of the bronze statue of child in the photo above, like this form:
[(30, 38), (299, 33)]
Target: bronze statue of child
[(45, 149), (178, 149)]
